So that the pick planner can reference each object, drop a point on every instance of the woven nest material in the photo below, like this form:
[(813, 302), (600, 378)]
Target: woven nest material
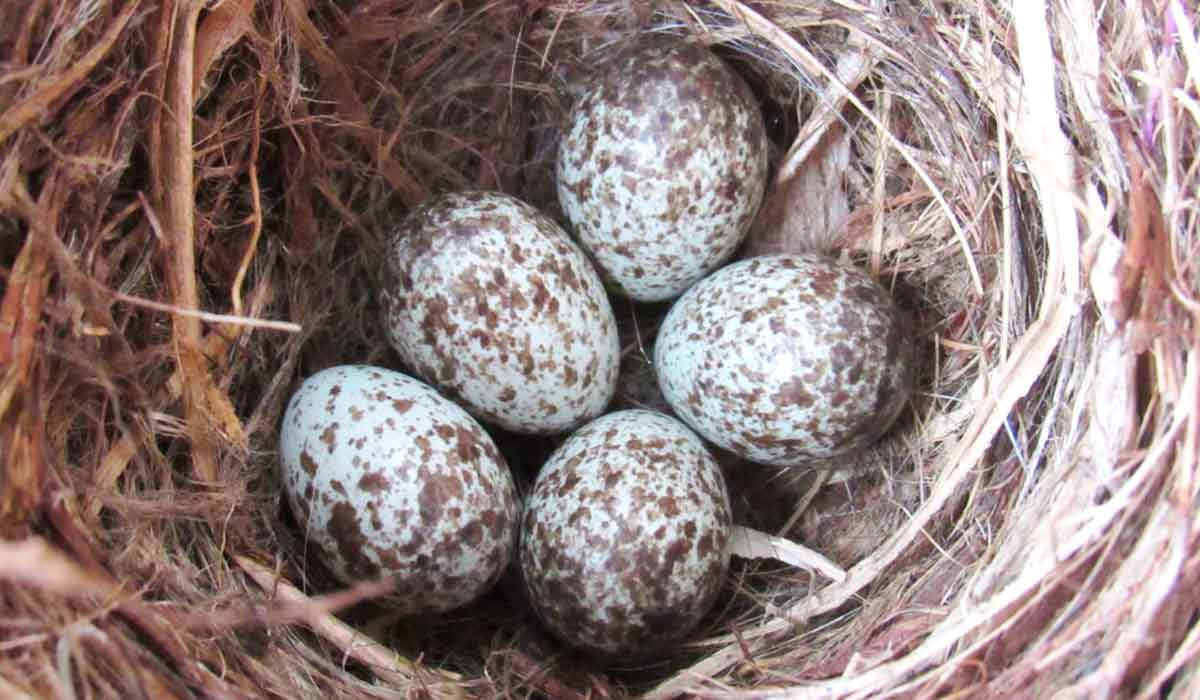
[(192, 200)]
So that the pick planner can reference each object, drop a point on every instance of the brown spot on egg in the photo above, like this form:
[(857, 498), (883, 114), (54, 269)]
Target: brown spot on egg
[(794, 393), (669, 506), (329, 436), (415, 544), (436, 322), (436, 490), (376, 520), (306, 461), (466, 444), (528, 364), (373, 482), (517, 300), (346, 533)]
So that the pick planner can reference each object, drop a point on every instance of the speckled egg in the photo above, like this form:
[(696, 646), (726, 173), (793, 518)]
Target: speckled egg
[(787, 357), (389, 478), (662, 168), (623, 540), (491, 301)]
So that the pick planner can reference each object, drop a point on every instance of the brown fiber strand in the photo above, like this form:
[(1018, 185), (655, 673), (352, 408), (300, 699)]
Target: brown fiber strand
[(178, 220), (38, 104), (21, 425)]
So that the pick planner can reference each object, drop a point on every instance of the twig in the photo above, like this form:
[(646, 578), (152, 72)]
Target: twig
[(382, 661), (34, 562), (286, 610), (22, 430), (818, 483), (753, 544), (209, 316), (255, 201), (111, 466), (177, 171)]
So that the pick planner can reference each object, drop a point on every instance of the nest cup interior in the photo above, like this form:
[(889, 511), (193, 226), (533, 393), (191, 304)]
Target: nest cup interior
[(1030, 216)]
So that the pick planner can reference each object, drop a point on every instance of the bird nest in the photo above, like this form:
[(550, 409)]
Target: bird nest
[(194, 196)]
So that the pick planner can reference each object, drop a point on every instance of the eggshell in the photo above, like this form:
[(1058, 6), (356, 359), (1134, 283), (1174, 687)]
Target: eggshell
[(787, 357), (388, 478), (624, 536), (662, 168), (490, 300)]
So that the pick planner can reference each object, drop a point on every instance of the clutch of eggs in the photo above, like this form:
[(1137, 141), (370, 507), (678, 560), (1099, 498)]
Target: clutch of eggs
[(491, 301), (388, 478), (662, 168)]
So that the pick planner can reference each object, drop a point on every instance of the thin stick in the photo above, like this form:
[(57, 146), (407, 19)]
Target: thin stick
[(818, 483), (35, 562), (255, 201), (177, 172), (286, 326), (879, 188), (385, 663), (754, 544)]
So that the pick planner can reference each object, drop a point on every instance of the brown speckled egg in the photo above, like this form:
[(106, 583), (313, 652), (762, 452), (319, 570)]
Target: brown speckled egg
[(786, 357), (623, 540), (490, 300), (389, 478), (662, 168)]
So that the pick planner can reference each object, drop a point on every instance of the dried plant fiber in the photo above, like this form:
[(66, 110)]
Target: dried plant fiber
[(193, 196)]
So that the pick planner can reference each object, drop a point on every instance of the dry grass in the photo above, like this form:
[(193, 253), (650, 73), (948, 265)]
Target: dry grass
[(192, 196)]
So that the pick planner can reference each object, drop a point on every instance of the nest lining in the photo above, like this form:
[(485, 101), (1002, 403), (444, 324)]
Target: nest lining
[(1024, 179)]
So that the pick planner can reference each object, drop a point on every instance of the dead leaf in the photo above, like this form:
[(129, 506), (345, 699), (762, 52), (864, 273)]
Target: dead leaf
[(807, 212)]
